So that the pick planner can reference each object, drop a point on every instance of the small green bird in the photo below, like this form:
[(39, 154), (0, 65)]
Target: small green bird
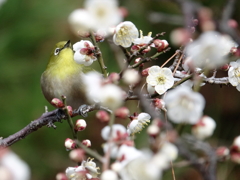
[(63, 76)]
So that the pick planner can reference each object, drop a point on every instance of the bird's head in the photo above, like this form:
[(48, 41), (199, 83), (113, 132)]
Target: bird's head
[(62, 51)]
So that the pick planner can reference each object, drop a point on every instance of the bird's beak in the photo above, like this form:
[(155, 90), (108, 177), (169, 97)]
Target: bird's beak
[(67, 45)]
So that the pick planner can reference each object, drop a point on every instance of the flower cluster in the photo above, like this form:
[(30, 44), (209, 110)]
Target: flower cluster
[(167, 94)]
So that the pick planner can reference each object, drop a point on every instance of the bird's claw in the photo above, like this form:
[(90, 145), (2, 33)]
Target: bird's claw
[(83, 110)]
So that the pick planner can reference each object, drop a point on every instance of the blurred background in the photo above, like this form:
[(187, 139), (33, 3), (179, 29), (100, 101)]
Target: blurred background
[(29, 29)]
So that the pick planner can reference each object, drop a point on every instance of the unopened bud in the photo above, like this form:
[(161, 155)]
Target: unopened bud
[(123, 11), (135, 48), (204, 128), (137, 60), (70, 110), (100, 36), (222, 152), (233, 50), (70, 144), (232, 23), (225, 67), (114, 77), (80, 125), (86, 142), (131, 76), (159, 103), (160, 44), (103, 116), (236, 143), (195, 22), (61, 176), (153, 130), (145, 72), (109, 174), (122, 112), (57, 103), (116, 166), (146, 50), (77, 155)]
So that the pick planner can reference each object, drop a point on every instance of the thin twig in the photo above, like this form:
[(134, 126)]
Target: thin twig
[(99, 55), (170, 58)]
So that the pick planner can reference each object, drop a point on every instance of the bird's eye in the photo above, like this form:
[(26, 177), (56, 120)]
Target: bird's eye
[(57, 51)]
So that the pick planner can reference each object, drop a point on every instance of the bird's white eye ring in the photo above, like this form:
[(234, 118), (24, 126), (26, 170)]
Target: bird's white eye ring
[(57, 51)]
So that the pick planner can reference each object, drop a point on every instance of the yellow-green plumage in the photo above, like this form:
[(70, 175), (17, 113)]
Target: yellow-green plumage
[(63, 76)]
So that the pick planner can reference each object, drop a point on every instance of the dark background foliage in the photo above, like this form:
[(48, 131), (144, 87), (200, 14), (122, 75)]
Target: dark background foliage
[(28, 31)]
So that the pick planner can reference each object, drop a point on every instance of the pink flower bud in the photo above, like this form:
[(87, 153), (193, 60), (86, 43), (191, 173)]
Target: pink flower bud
[(222, 152), (70, 144), (233, 50), (236, 143), (122, 112), (114, 77), (153, 130), (159, 103), (123, 11), (61, 176), (160, 44), (179, 36), (232, 23), (99, 36), (145, 72), (225, 67), (70, 110), (77, 155), (57, 103), (235, 157), (204, 128), (195, 22), (137, 60), (103, 116), (86, 142), (135, 48), (80, 125)]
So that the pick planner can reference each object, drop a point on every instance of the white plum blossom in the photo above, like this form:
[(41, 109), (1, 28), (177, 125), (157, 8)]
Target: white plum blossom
[(125, 33), (135, 165), (204, 128), (93, 82), (167, 153), (117, 129), (103, 14), (84, 52), (140, 169), (108, 95), (79, 22), (170, 151), (234, 74), (87, 170), (126, 154), (209, 50), (95, 15), (138, 123), (112, 147), (184, 105), (111, 96), (160, 78), (143, 40)]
